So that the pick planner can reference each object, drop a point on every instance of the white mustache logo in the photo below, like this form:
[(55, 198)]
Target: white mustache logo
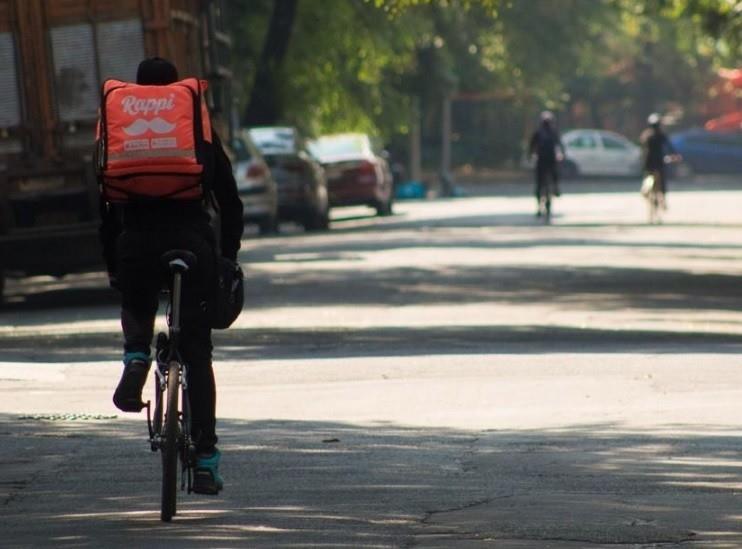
[(156, 125)]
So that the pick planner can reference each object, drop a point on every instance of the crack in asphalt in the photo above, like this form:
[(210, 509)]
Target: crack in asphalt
[(465, 468), (18, 487)]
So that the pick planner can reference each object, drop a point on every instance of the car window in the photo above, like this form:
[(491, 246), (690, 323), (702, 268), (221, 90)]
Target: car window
[(340, 145), (612, 143), (583, 141), (240, 149), (275, 140)]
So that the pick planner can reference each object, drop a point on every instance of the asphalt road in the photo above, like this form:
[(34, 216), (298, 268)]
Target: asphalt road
[(456, 375)]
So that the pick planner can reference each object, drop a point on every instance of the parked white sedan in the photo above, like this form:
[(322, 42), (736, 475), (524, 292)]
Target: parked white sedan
[(599, 152)]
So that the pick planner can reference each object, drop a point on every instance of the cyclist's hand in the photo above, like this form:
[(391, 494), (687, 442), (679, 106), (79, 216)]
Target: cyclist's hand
[(672, 158)]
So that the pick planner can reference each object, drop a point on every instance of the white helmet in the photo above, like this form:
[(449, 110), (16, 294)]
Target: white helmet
[(547, 116), (653, 119)]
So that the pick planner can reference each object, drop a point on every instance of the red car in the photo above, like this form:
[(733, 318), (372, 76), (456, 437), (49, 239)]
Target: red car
[(355, 174)]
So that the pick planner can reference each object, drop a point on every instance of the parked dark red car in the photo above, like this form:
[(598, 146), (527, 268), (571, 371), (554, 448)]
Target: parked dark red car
[(355, 174)]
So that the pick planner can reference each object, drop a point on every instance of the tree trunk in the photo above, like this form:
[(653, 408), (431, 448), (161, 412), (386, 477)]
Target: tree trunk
[(266, 106)]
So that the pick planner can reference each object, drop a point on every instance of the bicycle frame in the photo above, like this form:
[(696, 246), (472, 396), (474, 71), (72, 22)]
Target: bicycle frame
[(167, 355)]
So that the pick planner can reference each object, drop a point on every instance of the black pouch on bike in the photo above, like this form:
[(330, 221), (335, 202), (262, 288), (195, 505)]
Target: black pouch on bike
[(229, 295)]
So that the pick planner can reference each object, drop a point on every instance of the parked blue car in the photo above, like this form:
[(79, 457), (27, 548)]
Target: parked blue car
[(708, 152)]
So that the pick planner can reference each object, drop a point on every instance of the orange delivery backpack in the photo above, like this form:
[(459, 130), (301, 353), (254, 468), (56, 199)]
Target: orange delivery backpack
[(153, 141)]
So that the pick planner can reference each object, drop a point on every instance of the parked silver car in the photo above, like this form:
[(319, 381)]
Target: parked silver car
[(255, 184), (600, 152)]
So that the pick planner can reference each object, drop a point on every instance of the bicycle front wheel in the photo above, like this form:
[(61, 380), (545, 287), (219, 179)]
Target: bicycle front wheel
[(170, 444)]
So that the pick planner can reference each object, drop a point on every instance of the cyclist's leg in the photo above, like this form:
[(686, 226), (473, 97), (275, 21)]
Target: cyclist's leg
[(537, 182), (195, 348), (139, 288), (195, 341), (547, 191), (555, 179), (540, 173), (661, 175)]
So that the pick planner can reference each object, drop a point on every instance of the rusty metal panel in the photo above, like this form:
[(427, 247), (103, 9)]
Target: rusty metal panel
[(35, 69), (189, 6), (105, 10), (5, 16), (66, 11), (187, 48)]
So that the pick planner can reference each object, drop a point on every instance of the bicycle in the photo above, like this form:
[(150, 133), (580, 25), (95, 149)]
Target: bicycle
[(169, 426)]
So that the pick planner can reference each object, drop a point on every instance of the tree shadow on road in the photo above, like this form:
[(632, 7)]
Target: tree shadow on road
[(573, 287), (252, 345), (312, 483)]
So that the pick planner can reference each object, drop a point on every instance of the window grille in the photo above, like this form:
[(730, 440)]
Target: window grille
[(75, 75), (10, 103)]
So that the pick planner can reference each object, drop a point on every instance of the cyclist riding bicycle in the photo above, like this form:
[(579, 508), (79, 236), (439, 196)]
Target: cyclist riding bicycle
[(658, 150), (134, 235), (546, 146)]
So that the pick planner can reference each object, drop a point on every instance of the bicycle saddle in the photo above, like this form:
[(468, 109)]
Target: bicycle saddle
[(179, 260)]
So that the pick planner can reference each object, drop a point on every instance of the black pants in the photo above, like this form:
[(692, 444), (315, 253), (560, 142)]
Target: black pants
[(141, 277), (545, 172)]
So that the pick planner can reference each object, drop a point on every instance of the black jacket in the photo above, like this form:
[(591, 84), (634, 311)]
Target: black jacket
[(117, 217), (656, 146), (544, 143)]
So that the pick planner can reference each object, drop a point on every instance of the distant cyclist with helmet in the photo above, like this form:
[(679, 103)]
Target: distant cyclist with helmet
[(658, 150), (135, 234), (546, 146)]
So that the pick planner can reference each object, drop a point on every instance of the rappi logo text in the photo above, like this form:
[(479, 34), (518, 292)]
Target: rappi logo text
[(133, 105)]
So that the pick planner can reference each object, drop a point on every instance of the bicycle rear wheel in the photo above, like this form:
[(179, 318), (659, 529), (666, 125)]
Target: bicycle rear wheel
[(170, 444)]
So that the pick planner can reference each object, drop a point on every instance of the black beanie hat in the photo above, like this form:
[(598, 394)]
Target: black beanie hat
[(156, 71)]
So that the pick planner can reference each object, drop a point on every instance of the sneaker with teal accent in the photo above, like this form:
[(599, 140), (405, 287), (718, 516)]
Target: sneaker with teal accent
[(128, 394), (206, 477)]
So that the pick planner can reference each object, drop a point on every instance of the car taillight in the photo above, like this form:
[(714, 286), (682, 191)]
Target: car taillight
[(256, 170), (366, 172)]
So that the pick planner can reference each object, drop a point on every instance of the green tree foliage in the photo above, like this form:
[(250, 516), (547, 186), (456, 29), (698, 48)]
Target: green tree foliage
[(359, 64)]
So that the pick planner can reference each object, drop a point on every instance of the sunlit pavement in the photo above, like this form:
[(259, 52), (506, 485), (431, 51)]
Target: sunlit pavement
[(456, 375)]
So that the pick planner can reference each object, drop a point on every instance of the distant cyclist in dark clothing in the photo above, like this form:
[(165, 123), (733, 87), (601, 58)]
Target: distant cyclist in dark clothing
[(657, 147), (546, 145), (134, 237)]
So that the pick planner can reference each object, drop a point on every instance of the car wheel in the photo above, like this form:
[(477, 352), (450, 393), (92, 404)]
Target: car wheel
[(384, 209), (570, 170), (268, 225), (317, 221)]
